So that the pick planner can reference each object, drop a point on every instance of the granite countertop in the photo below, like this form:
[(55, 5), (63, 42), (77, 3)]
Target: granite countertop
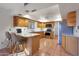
[(27, 34), (70, 35), (37, 31)]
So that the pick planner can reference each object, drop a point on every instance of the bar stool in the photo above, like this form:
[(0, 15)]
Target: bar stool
[(8, 36), (48, 33), (18, 43)]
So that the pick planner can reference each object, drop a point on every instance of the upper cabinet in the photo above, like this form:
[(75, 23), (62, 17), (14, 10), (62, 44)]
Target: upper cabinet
[(40, 25), (71, 18), (20, 21), (45, 24)]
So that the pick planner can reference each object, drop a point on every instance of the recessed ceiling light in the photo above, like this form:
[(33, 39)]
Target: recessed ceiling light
[(19, 14), (34, 10), (27, 11)]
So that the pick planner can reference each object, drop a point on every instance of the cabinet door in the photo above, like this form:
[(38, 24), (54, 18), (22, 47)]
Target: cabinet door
[(20, 21), (63, 42), (71, 45), (15, 21), (71, 18), (78, 46), (35, 44), (40, 25)]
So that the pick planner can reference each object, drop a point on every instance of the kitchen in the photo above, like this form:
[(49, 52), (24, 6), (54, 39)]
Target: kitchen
[(31, 26)]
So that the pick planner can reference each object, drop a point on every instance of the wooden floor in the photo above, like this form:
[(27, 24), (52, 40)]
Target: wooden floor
[(48, 47)]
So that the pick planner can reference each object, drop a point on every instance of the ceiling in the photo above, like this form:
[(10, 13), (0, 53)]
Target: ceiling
[(41, 8), (48, 14), (19, 8)]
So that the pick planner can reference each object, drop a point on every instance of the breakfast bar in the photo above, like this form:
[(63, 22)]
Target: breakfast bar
[(33, 40)]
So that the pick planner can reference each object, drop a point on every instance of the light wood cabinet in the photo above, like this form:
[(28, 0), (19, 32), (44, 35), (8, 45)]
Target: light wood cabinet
[(20, 21), (41, 34), (43, 24), (71, 18), (40, 25), (78, 46), (64, 41), (71, 45), (35, 44)]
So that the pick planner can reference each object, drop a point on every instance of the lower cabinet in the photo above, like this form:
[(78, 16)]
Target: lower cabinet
[(64, 41), (78, 46), (71, 45), (41, 34), (35, 44)]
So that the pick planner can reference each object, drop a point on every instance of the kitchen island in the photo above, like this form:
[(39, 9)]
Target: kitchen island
[(33, 41)]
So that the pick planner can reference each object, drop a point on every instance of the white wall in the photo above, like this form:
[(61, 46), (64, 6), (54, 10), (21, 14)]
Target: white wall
[(56, 28), (5, 23), (76, 30)]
